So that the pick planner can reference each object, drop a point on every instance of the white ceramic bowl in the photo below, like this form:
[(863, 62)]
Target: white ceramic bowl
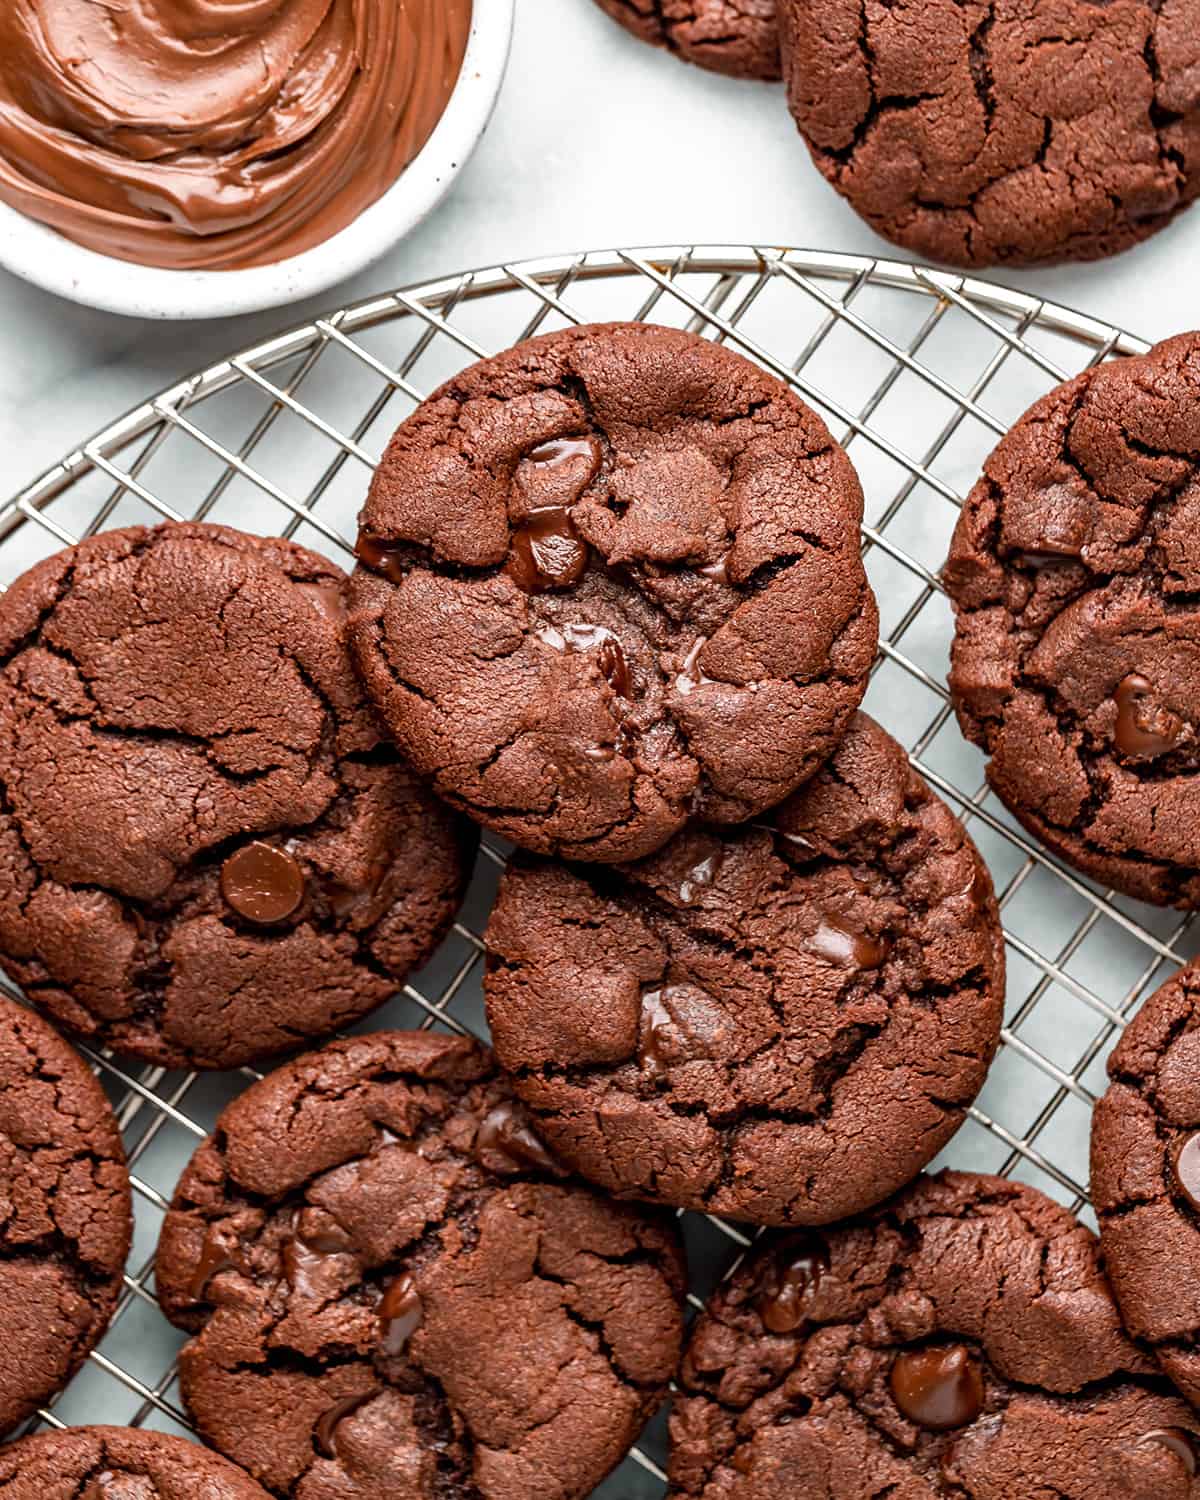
[(47, 259)]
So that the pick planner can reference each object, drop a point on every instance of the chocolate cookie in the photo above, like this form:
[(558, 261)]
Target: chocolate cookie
[(208, 854), (1146, 1177), (961, 1342), (118, 1463), (986, 132), (1074, 572), (67, 1216), (737, 37), (612, 580), (782, 1024), (395, 1292)]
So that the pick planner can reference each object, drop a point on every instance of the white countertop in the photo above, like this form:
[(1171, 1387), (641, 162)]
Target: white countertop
[(598, 141)]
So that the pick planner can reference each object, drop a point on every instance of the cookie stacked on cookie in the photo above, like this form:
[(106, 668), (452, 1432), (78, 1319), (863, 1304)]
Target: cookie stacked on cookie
[(611, 603), (610, 606)]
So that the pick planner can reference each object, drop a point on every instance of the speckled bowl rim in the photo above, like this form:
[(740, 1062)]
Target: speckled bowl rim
[(50, 261)]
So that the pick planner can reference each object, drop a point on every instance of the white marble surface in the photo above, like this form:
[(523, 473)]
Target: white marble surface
[(598, 141)]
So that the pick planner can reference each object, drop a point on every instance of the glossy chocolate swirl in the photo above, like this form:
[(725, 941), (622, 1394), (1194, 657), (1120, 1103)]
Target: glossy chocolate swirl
[(217, 134)]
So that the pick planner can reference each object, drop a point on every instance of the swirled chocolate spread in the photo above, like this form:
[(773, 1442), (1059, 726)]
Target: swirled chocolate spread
[(217, 134)]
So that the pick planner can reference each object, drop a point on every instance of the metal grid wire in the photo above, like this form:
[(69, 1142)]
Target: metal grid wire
[(918, 372)]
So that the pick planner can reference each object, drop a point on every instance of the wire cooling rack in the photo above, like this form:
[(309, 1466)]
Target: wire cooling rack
[(918, 372)]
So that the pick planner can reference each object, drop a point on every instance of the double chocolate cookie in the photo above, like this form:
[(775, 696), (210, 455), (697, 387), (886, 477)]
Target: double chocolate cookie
[(611, 582), (118, 1463), (395, 1291), (67, 1217), (208, 853), (1146, 1177), (783, 1023), (737, 37), (984, 132), (1075, 571), (960, 1342)]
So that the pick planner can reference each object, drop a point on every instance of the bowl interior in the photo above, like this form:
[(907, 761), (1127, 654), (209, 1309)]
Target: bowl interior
[(40, 255)]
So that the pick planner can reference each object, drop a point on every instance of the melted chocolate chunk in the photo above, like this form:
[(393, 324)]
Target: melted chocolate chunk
[(262, 883), (400, 1315), (668, 1033), (658, 1043), (559, 452), (325, 1430), (610, 655), (791, 1279), (506, 1134), (701, 875), (327, 599), (302, 1265), (717, 571), (841, 945), (690, 676), (1177, 1441), (939, 1389), (214, 1258), (547, 552), (382, 556), (1185, 1168), (1144, 728)]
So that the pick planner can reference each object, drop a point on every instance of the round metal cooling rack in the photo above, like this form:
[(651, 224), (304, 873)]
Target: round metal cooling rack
[(918, 372)]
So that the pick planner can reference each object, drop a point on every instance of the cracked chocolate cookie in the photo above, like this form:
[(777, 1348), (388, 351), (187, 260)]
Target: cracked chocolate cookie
[(396, 1292), (736, 37), (611, 581), (781, 1024), (960, 1342), (118, 1463), (1075, 573), (1146, 1177), (208, 852), (989, 132), (66, 1214)]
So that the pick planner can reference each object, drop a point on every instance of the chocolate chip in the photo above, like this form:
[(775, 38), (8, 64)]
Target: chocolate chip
[(400, 1315), (214, 1258), (838, 943), (702, 874), (325, 1429), (326, 599), (690, 676), (262, 883), (505, 1134), (381, 555), (717, 572), (939, 1389), (1178, 1441), (791, 1280), (561, 451), (1144, 728), (1185, 1167), (547, 552), (610, 655)]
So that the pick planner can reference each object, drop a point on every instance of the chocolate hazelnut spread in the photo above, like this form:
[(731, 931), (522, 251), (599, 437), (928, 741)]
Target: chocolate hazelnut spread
[(217, 134)]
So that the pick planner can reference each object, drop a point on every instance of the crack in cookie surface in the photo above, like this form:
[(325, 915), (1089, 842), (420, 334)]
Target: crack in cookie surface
[(1143, 1180), (960, 1343), (782, 1023), (736, 37), (985, 132), (65, 1212), (612, 581), (394, 1289), (1076, 659), (118, 1463), (178, 724)]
